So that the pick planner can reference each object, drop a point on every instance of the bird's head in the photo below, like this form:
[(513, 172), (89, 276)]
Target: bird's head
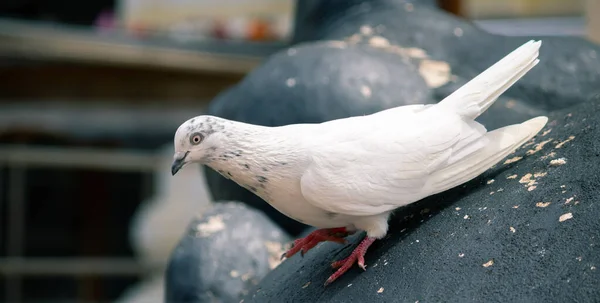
[(195, 139)]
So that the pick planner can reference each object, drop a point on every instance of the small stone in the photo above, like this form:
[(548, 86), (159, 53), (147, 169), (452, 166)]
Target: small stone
[(488, 263), (380, 42), (542, 204), (214, 224), (528, 180), (291, 82), (458, 32), (565, 217), (549, 155), (354, 38), (512, 160), (511, 103), (559, 145), (365, 91), (337, 44), (276, 249), (246, 276), (366, 30), (435, 73), (538, 147), (558, 162)]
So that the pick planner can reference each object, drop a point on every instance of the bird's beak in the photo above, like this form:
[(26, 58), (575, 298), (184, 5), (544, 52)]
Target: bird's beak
[(178, 162)]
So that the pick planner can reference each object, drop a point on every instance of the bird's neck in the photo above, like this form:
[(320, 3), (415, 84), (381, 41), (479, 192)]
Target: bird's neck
[(256, 157)]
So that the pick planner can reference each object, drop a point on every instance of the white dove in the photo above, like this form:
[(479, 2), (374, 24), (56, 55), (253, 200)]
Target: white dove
[(349, 174)]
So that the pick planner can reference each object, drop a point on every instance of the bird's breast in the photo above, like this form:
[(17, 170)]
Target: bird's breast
[(290, 202)]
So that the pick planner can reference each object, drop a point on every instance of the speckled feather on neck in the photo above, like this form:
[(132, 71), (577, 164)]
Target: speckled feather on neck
[(256, 157)]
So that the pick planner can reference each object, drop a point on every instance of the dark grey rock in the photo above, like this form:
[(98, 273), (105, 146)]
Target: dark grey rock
[(227, 250), (392, 47), (569, 67), (439, 249)]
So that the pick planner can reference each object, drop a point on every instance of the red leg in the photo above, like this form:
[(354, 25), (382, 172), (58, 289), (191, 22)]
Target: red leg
[(358, 256), (303, 245)]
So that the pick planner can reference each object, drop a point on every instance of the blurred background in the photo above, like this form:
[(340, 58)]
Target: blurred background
[(91, 93)]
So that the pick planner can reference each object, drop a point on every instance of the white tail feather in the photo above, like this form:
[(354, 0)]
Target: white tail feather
[(502, 142), (475, 97)]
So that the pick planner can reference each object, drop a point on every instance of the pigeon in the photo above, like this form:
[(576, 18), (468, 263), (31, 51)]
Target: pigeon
[(348, 175)]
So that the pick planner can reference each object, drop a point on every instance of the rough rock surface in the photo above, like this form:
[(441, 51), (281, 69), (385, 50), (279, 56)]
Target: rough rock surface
[(525, 231), (355, 57), (227, 250)]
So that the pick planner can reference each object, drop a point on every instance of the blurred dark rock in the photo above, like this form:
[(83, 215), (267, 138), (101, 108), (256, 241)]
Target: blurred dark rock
[(569, 66), (358, 57), (525, 231), (227, 250)]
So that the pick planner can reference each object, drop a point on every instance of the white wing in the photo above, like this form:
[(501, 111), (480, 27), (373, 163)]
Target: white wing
[(377, 172), (376, 163)]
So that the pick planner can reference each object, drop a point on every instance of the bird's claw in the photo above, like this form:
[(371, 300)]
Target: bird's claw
[(363, 266), (328, 281), (357, 255), (303, 245)]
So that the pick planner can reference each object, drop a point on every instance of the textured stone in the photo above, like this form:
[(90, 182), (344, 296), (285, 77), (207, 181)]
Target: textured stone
[(223, 253)]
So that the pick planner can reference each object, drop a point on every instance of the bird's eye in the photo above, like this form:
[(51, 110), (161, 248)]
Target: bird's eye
[(196, 138)]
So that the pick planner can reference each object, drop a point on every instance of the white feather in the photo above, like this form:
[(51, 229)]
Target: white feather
[(475, 97)]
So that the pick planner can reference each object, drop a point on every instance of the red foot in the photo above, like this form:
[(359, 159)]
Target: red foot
[(358, 255), (303, 245)]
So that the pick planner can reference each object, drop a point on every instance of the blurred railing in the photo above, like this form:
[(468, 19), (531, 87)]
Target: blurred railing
[(45, 41), (16, 160)]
